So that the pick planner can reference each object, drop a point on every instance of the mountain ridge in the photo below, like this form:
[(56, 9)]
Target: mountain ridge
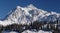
[(29, 14)]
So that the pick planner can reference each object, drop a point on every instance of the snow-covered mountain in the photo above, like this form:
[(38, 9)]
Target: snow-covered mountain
[(29, 14)]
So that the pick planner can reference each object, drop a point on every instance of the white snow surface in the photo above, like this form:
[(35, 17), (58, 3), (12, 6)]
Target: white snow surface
[(27, 31), (28, 14)]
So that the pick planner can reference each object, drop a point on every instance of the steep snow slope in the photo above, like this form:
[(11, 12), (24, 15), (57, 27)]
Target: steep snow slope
[(27, 31), (28, 14)]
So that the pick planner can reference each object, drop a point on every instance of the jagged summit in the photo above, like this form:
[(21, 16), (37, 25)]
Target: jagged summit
[(28, 14), (18, 7), (31, 6)]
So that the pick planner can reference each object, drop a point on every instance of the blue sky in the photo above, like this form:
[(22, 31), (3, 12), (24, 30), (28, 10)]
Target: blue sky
[(48, 5)]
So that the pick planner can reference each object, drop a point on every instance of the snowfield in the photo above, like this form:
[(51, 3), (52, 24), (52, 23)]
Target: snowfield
[(27, 31)]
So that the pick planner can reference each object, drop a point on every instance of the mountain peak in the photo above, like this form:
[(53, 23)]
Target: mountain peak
[(19, 7), (31, 6)]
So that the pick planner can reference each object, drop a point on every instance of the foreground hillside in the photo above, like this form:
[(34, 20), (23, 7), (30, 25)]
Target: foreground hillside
[(33, 28)]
